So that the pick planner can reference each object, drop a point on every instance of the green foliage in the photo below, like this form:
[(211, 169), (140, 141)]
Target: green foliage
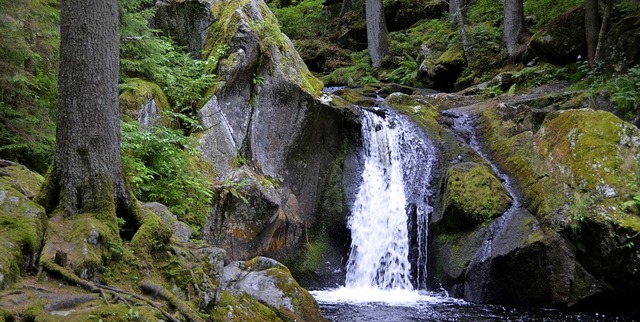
[(29, 42), (359, 73), (624, 88), (632, 205), (547, 10), (486, 10), (145, 54), (160, 165), (234, 189), (406, 73), (626, 93), (303, 19), (582, 203)]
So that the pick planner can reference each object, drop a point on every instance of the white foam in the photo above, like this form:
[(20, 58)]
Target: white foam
[(364, 295)]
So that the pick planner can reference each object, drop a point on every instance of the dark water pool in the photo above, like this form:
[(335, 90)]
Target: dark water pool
[(372, 305)]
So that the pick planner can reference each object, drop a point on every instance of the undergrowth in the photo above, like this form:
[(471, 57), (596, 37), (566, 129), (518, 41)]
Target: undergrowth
[(161, 164)]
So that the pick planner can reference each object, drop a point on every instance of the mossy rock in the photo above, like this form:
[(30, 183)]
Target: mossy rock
[(421, 112), (138, 94), (81, 243), (240, 308), (472, 195), (22, 223), (514, 152), (271, 283), (599, 149), (561, 40)]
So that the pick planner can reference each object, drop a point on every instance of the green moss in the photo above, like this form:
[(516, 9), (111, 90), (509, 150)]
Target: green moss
[(453, 55), (153, 234), (515, 153), (473, 195), (241, 308), (137, 92), (424, 114), (590, 144), (21, 231)]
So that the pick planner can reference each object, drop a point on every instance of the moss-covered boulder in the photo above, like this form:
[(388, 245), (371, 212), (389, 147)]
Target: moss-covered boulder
[(403, 14), (22, 222), (143, 101), (472, 195), (561, 40), (574, 173), (443, 71), (271, 284), (266, 130)]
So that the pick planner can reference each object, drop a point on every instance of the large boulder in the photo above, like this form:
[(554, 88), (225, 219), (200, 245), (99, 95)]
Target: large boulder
[(22, 221), (185, 22), (561, 40), (574, 173), (266, 132), (271, 284)]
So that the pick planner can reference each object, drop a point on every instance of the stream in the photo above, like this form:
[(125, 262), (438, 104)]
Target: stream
[(386, 269)]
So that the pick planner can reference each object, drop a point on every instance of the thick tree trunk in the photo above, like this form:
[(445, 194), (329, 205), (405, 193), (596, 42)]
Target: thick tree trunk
[(377, 35), (515, 34), (87, 175), (591, 27)]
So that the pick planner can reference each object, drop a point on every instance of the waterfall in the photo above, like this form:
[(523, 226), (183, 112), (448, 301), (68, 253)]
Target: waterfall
[(389, 218)]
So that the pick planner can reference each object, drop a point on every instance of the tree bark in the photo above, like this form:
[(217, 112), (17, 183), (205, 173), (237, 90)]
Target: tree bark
[(86, 175), (377, 35), (454, 7), (515, 33), (591, 27), (456, 15), (603, 31)]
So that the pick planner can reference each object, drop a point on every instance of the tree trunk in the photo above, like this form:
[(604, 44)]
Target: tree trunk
[(456, 15), (377, 35), (603, 31), (454, 7), (515, 34), (591, 27), (86, 176)]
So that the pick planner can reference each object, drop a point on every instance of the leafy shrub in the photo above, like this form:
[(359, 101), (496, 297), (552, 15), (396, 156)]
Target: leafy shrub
[(547, 10), (161, 165), (626, 93), (359, 73), (145, 54), (406, 73), (303, 19)]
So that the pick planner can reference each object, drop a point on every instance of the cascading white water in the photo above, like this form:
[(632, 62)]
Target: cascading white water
[(389, 217), (378, 222)]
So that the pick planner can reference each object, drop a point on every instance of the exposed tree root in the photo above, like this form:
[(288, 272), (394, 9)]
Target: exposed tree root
[(161, 292), (116, 293)]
